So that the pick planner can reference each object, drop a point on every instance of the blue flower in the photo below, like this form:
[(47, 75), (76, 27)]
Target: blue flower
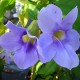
[(58, 40), (19, 41)]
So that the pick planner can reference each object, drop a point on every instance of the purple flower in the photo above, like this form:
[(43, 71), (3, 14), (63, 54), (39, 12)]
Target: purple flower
[(58, 40), (19, 41)]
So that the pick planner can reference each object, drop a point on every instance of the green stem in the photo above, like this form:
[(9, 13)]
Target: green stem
[(59, 71), (32, 71)]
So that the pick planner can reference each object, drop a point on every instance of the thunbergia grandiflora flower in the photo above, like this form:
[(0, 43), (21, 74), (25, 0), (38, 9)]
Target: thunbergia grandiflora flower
[(58, 40), (19, 41)]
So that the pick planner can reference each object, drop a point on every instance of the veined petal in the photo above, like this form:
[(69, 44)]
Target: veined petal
[(70, 19), (16, 30), (10, 42), (47, 48), (73, 39), (24, 59), (49, 17), (65, 56)]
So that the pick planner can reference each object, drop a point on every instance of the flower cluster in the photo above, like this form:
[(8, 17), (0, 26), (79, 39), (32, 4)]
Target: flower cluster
[(58, 40)]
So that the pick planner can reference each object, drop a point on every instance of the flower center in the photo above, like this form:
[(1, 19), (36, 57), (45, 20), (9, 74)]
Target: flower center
[(26, 38), (59, 34)]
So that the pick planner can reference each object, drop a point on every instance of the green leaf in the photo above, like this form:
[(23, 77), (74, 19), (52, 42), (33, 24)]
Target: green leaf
[(48, 68), (1, 51), (35, 69), (2, 29), (76, 71), (6, 5), (32, 12), (49, 78), (64, 76), (34, 29), (39, 64), (39, 79), (24, 1), (46, 78), (2, 62), (23, 19)]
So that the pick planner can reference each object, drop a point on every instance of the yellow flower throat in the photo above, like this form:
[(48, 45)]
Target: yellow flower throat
[(59, 34), (26, 38)]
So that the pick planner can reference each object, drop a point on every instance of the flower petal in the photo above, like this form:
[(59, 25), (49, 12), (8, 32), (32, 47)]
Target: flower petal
[(10, 42), (25, 59), (15, 29), (73, 39), (65, 56), (37, 45), (49, 17), (73, 56), (47, 48), (70, 19)]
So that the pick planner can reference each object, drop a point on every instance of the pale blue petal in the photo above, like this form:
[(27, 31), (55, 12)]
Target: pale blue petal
[(70, 19), (65, 56), (49, 17), (37, 45), (47, 47), (10, 42), (73, 56), (24, 59), (73, 39), (15, 29)]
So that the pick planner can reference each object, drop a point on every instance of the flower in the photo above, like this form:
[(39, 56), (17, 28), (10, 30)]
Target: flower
[(58, 40), (22, 44)]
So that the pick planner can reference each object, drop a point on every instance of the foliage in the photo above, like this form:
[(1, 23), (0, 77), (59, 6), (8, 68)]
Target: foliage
[(6, 5)]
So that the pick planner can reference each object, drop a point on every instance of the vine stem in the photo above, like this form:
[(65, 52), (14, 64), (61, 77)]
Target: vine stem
[(60, 69), (32, 71)]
